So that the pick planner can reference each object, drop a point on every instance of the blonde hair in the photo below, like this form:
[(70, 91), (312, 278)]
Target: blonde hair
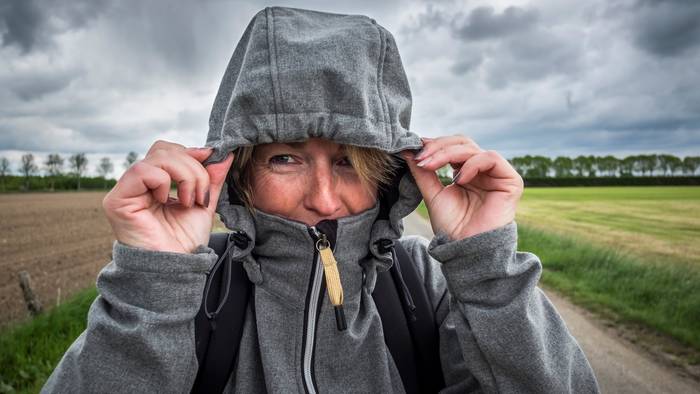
[(374, 167)]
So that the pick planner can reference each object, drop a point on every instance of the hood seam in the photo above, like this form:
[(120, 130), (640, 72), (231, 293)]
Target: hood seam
[(274, 68), (380, 71)]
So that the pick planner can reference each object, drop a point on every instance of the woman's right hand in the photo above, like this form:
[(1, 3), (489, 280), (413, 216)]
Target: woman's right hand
[(143, 215)]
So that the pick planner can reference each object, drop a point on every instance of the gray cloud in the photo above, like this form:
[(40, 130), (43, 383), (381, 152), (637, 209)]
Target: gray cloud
[(667, 28), (21, 23), (30, 24), (485, 23), (34, 86)]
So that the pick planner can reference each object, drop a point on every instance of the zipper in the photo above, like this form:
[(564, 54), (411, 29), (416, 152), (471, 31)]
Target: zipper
[(324, 265)]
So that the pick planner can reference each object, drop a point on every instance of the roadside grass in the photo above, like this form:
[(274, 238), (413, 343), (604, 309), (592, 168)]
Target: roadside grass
[(656, 294), (662, 297), (30, 351)]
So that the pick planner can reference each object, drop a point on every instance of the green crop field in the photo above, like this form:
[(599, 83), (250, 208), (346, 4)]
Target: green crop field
[(654, 224)]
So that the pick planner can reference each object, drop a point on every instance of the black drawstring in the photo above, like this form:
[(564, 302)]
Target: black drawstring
[(239, 239), (385, 245)]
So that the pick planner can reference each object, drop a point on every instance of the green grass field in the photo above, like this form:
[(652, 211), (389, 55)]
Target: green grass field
[(655, 224)]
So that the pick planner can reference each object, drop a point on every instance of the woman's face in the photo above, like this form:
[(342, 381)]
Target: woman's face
[(307, 181)]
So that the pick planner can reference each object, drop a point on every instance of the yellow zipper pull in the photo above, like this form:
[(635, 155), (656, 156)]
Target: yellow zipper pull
[(335, 288)]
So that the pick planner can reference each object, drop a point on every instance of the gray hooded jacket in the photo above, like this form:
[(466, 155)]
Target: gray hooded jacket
[(297, 74)]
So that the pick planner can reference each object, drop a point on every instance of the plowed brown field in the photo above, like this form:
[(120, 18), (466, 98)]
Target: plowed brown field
[(61, 239)]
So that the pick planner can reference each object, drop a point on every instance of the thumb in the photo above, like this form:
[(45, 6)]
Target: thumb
[(427, 180), (217, 177)]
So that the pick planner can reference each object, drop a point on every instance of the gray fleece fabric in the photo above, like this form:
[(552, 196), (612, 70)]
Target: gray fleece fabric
[(297, 74)]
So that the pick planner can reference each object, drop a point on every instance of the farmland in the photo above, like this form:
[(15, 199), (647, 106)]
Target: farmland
[(654, 224), (61, 239)]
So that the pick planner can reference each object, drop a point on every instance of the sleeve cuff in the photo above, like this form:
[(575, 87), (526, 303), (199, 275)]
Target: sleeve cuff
[(468, 263), (137, 259), (444, 249)]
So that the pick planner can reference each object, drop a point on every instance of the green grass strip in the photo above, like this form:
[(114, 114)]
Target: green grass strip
[(30, 351), (664, 297)]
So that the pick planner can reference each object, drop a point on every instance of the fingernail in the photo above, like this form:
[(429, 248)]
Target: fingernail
[(424, 162), (206, 199), (455, 176), (193, 199)]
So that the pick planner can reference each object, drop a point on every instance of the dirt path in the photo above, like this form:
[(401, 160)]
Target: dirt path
[(619, 365)]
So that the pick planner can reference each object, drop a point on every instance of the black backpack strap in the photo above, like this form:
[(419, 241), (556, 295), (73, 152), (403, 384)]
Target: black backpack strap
[(397, 335), (219, 322), (424, 328), (408, 320)]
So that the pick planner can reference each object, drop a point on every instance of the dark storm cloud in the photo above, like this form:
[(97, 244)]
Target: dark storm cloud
[(485, 23), (36, 85), (21, 23), (667, 28), (30, 24)]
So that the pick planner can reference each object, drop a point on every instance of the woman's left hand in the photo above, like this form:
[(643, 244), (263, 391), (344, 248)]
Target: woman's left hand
[(483, 195)]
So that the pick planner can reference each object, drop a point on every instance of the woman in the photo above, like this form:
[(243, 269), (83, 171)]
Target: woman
[(315, 108)]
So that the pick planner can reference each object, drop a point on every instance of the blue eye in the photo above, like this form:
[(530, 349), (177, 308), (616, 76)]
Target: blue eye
[(281, 159)]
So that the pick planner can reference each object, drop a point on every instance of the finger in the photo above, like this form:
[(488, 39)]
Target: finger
[(217, 177), (180, 171), (431, 146), (488, 163), (195, 157), (449, 154), (427, 180), (139, 179)]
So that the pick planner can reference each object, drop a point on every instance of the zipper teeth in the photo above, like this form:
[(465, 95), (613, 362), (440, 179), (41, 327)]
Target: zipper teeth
[(311, 326)]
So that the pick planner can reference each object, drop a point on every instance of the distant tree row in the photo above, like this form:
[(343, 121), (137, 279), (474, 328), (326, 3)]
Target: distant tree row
[(605, 166), (53, 171)]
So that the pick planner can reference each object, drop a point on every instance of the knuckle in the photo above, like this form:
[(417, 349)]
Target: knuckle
[(159, 153), (139, 168), (107, 203), (492, 154)]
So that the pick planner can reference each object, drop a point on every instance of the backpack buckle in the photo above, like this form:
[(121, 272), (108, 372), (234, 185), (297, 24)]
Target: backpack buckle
[(239, 238)]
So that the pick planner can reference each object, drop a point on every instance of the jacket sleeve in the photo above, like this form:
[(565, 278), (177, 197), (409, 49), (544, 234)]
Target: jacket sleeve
[(140, 328), (498, 331)]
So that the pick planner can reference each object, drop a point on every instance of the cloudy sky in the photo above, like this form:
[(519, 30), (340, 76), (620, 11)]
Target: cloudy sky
[(551, 77)]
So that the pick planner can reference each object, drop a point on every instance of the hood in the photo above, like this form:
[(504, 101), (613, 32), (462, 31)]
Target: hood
[(297, 74)]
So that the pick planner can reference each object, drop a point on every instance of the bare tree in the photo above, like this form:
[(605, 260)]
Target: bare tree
[(4, 170), (28, 168), (54, 167), (105, 168), (78, 163), (130, 159)]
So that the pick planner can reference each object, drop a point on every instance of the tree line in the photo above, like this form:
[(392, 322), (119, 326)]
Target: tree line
[(605, 166), (55, 176)]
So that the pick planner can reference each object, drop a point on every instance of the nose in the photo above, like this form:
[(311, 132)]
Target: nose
[(322, 196)]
